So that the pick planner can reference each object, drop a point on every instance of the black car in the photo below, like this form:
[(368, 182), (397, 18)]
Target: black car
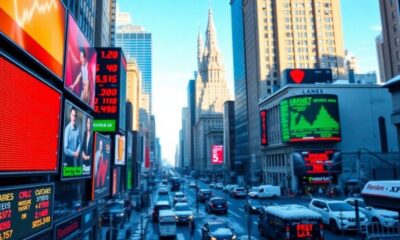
[(114, 215), (217, 205), (217, 230), (254, 207), (204, 195)]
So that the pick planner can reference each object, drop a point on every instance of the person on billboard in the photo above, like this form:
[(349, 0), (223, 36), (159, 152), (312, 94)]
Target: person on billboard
[(72, 140), (83, 75), (98, 157), (87, 144)]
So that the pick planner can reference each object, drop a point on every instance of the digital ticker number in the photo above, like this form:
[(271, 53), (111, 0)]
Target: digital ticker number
[(109, 54)]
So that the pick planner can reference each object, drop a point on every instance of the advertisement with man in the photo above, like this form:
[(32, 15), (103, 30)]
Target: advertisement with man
[(101, 167), (77, 142), (80, 64)]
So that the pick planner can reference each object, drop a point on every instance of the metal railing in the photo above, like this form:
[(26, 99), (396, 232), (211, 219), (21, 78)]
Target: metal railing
[(375, 230)]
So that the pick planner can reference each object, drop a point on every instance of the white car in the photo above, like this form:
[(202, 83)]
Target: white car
[(219, 186), (192, 184), (338, 214), (253, 192), (183, 212), (384, 217)]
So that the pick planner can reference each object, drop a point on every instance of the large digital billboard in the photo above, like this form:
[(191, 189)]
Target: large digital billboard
[(317, 162), (217, 154), (26, 211), (309, 118), (80, 64), (38, 27), (30, 121), (119, 151), (101, 167), (77, 143), (110, 90)]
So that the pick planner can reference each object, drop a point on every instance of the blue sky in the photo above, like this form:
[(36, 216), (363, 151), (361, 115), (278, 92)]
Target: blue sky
[(175, 25)]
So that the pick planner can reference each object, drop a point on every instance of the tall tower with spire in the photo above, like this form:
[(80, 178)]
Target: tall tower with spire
[(211, 94)]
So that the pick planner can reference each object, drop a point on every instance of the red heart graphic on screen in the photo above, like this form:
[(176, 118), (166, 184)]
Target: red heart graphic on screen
[(297, 75)]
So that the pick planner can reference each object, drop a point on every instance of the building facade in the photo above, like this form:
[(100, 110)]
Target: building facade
[(211, 93), (133, 91), (229, 142), (287, 34), (315, 138), (394, 87), (350, 62), (241, 144), (103, 23), (390, 18), (379, 52), (137, 43), (191, 119)]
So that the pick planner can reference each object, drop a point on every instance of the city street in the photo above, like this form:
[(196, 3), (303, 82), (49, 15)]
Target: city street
[(236, 217)]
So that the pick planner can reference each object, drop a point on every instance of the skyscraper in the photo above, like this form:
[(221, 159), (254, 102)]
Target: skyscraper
[(103, 23), (241, 144), (191, 119), (282, 34), (211, 94), (137, 44), (390, 18), (133, 91)]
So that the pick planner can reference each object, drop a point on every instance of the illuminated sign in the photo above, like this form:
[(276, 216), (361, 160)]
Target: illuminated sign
[(101, 167), (30, 121), (80, 64), (307, 76), (119, 156), (217, 154), (317, 162), (26, 211), (69, 229), (147, 158), (26, 24), (115, 180), (304, 230), (77, 143), (309, 118), (263, 124), (129, 159), (318, 180), (110, 94)]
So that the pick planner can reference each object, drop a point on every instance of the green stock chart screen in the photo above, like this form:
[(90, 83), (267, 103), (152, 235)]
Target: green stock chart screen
[(309, 118)]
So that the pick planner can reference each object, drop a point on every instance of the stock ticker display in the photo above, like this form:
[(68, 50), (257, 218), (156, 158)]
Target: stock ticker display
[(309, 118), (25, 211)]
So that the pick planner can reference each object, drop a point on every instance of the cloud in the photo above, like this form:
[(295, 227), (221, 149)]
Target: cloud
[(376, 28)]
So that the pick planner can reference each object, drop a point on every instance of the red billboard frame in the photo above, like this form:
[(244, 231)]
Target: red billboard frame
[(45, 96), (217, 154)]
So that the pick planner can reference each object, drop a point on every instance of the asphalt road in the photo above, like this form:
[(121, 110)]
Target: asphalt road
[(236, 218)]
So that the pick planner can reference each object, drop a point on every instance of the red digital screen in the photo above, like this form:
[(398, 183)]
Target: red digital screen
[(115, 181), (263, 124), (147, 158), (304, 230), (107, 98), (30, 121), (217, 154), (317, 161)]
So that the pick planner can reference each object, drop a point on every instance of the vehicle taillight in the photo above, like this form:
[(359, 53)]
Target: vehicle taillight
[(321, 230), (287, 229)]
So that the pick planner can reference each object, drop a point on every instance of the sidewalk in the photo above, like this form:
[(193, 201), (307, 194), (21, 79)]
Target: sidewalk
[(136, 226)]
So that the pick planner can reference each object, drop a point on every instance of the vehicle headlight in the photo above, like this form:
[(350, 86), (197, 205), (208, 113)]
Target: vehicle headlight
[(234, 237), (191, 217), (176, 217), (120, 214), (213, 238)]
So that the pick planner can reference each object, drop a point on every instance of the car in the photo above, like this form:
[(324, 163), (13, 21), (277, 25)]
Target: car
[(204, 194), (212, 185), (231, 188), (114, 214), (217, 205), (253, 207), (217, 230), (160, 205), (238, 192), (266, 191), (384, 217), (219, 186), (183, 213), (253, 192), (167, 223), (207, 180), (163, 191), (228, 187), (179, 197), (291, 221), (192, 184), (338, 214)]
